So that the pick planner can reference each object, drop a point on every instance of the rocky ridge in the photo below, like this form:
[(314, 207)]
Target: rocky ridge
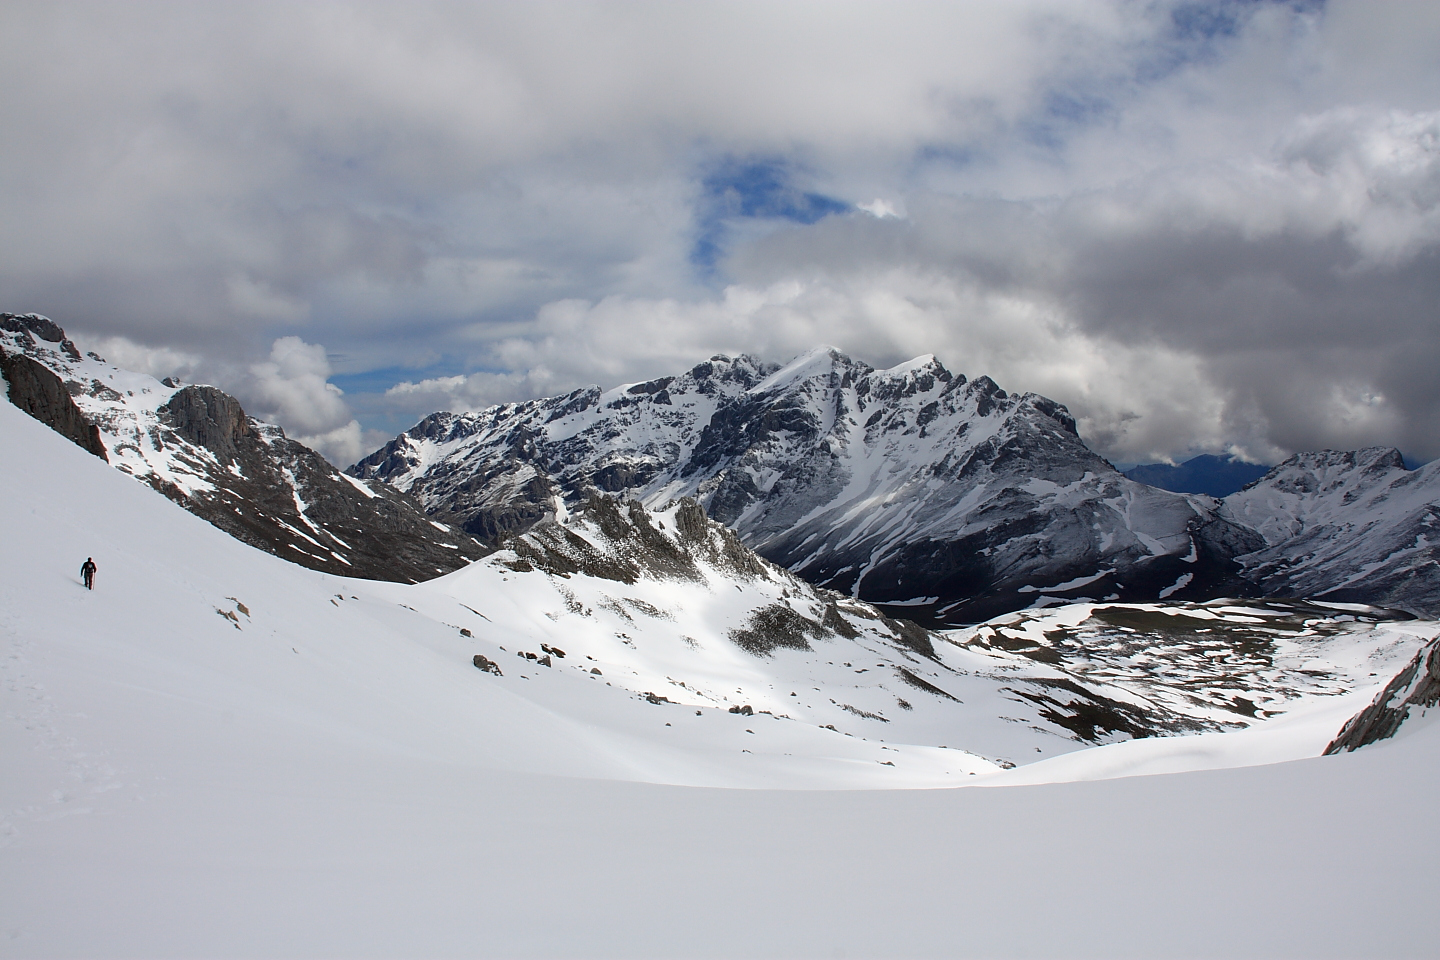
[(198, 447), (910, 486), (1351, 526), (949, 499), (32, 387)]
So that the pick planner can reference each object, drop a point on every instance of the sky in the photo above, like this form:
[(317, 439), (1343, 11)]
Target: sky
[(1204, 227)]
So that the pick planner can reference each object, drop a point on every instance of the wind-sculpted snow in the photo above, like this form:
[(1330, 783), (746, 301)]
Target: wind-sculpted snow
[(1346, 526), (196, 445), (911, 485)]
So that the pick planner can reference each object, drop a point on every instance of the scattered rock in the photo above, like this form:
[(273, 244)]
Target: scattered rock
[(488, 665)]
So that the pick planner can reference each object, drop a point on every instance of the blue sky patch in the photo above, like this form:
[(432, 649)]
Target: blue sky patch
[(752, 190)]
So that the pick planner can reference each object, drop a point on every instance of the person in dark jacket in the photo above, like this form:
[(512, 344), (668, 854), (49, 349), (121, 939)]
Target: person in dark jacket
[(87, 571)]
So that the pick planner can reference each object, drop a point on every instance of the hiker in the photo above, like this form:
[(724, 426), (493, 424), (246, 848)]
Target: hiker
[(87, 570)]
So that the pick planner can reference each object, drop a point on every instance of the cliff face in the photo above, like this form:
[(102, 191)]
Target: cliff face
[(33, 388), (196, 445), (40, 393)]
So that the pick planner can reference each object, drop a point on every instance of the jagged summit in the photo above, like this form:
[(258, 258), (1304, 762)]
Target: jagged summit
[(912, 484), (951, 498)]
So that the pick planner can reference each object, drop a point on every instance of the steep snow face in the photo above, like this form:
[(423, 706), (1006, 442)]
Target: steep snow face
[(911, 485), (196, 445), (1346, 526)]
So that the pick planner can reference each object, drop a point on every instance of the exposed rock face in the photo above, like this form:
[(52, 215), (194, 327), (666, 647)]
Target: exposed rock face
[(1349, 526), (1416, 688), (33, 388), (212, 419), (500, 471), (196, 445), (632, 547), (909, 485), (951, 498), (32, 325)]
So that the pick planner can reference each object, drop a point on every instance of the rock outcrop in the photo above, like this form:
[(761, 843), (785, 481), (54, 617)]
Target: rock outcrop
[(33, 388), (1415, 688), (196, 445)]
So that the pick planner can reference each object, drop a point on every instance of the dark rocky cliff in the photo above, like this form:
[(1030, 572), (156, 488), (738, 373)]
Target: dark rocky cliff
[(196, 445), (285, 498), (33, 388)]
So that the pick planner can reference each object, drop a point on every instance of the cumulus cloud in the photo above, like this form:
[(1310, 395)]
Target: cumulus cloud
[(292, 389)]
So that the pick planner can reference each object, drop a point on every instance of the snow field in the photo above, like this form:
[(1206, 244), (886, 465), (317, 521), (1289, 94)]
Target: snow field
[(325, 774)]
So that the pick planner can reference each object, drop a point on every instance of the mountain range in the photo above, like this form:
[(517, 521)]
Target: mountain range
[(623, 719), (625, 730), (920, 490)]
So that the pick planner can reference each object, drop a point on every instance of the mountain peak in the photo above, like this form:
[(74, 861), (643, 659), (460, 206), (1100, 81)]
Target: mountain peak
[(822, 361)]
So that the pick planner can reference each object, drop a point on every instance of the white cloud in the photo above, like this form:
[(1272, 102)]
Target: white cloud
[(159, 362), (880, 209), (341, 446), (292, 389)]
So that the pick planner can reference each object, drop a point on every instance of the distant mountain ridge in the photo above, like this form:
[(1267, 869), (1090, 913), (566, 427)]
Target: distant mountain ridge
[(196, 445), (913, 487), (1352, 526), (1213, 476)]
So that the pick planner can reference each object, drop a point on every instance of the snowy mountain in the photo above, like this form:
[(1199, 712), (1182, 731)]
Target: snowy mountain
[(218, 752), (196, 445), (910, 486), (1343, 526)]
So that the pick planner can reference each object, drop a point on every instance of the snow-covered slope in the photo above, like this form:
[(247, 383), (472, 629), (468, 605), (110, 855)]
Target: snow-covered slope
[(196, 445), (911, 485), (1346, 526), (219, 753)]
